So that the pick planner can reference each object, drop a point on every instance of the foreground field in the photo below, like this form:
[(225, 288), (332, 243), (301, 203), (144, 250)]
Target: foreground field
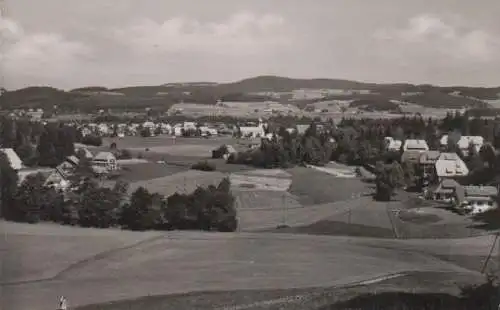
[(177, 262), (299, 298)]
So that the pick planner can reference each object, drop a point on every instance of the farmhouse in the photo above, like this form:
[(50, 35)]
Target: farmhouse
[(450, 165), (445, 191), (105, 161), (13, 158), (477, 198)]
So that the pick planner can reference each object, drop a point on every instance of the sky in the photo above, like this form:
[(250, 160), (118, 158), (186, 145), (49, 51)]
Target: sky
[(115, 43)]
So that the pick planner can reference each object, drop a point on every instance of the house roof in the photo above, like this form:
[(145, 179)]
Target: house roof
[(13, 158), (450, 165), (481, 191), (429, 157), (394, 144), (104, 156), (73, 160), (88, 154), (301, 129), (415, 144)]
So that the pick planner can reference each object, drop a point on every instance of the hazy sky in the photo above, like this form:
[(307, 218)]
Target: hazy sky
[(73, 43)]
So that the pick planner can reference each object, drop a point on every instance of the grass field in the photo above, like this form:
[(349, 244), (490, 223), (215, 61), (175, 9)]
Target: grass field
[(133, 142), (295, 299), (180, 262), (253, 182), (182, 182), (149, 170), (316, 187)]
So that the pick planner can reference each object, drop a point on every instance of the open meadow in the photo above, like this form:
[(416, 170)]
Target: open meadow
[(98, 267)]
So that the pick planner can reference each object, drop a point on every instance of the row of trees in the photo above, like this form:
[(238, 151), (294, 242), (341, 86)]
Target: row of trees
[(38, 144), (286, 149), (89, 205)]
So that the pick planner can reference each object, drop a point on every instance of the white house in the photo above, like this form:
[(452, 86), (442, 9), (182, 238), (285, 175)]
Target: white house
[(105, 161), (189, 126), (415, 145), (13, 158), (478, 199), (253, 131), (466, 141), (450, 165), (392, 144), (205, 130)]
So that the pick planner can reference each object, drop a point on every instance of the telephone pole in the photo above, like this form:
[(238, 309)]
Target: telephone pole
[(283, 203), (491, 251)]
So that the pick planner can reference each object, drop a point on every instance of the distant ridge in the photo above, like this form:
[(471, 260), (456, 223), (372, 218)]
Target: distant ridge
[(134, 97)]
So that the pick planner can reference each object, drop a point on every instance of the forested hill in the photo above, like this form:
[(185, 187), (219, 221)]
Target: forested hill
[(134, 97)]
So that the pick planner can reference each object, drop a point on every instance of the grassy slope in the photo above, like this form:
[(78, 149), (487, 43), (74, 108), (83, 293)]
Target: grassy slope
[(303, 299), (184, 261)]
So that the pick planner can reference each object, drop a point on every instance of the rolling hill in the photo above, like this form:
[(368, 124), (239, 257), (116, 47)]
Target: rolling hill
[(163, 96)]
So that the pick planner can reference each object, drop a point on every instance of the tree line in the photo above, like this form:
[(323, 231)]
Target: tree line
[(87, 204)]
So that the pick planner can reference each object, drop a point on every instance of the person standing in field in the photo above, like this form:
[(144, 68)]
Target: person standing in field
[(63, 304)]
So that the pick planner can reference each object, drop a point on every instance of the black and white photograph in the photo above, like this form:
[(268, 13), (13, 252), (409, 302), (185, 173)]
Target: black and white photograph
[(249, 155)]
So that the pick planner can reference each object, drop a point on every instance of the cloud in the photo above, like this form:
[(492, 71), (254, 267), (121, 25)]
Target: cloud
[(432, 35), (241, 34), (37, 56)]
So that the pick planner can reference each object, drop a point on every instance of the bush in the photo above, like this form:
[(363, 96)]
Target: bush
[(219, 152), (203, 166), (124, 154), (92, 140)]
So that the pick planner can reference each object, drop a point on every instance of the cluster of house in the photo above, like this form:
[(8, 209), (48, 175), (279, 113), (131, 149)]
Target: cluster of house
[(154, 128), (33, 114), (102, 163), (441, 170), (122, 130)]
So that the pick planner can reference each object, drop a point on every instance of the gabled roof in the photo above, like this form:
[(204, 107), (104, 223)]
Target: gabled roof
[(13, 158), (73, 160), (450, 165)]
